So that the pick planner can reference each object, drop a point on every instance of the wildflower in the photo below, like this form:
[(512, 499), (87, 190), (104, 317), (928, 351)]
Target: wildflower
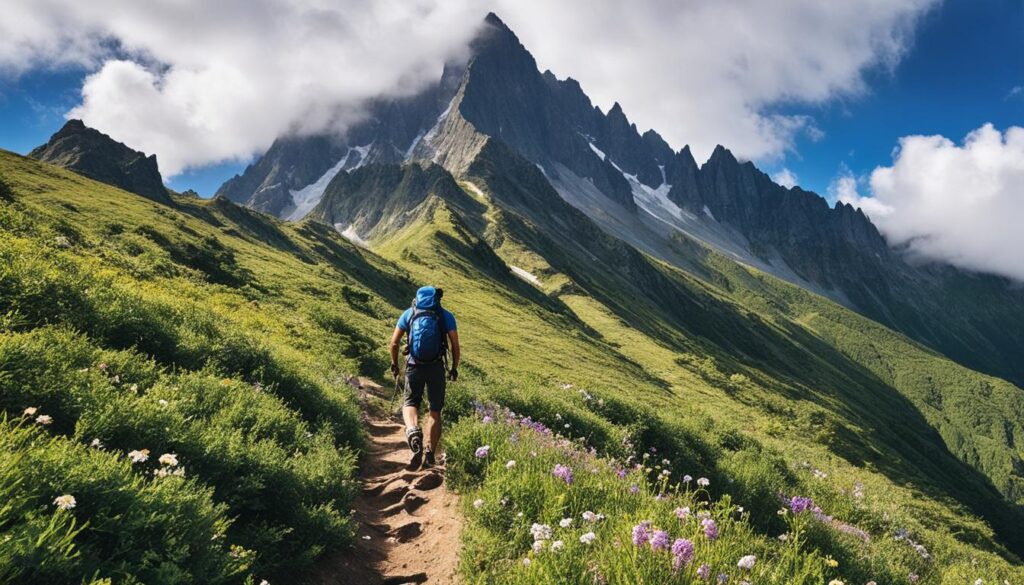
[(590, 516), (533, 453), (621, 473), (264, 582), (704, 572), (565, 522), (139, 456), (526, 561), (634, 489), (979, 581), (557, 545), (540, 531), (682, 553), (682, 513), (588, 538), (703, 482), (44, 419), (836, 582), (478, 504), (134, 388), (710, 528), (562, 472), (510, 464), (800, 504), (858, 490), (487, 419), (162, 402), (96, 444), (168, 459), (660, 540), (103, 366), (65, 502), (747, 562), (641, 534), (30, 411), (913, 578), (831, 562), (482, 452), (723, 577), (687, 478), (538, 546)]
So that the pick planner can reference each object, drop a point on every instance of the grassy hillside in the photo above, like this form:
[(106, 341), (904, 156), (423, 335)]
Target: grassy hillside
[(223, 337), (203, 331)]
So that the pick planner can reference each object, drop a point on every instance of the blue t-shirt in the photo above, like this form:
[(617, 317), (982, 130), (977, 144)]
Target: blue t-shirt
[(449, 320)]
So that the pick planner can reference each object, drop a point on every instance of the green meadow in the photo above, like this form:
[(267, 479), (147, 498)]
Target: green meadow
[(181, 373)]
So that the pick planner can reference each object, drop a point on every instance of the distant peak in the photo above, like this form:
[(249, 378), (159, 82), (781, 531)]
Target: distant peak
[(722, 153), (493, 20), (616, 109)]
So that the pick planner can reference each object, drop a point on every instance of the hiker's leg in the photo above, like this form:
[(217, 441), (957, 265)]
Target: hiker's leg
[(436, 385), (435, 429), (410, 414), (414, 383)]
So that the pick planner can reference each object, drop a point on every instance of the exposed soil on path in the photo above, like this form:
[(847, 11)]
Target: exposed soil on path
[(408, 523)]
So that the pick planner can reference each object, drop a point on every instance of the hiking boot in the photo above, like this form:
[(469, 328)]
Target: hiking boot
[(428, 459), (414, 437)]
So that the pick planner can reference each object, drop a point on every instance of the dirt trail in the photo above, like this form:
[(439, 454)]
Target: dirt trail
[(408, 523)]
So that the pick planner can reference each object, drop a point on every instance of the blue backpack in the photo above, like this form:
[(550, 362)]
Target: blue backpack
[(428, 337)]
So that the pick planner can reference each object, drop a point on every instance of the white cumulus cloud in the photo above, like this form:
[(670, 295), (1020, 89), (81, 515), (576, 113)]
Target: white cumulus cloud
[(786, 178), (958, 203), (201, 82)]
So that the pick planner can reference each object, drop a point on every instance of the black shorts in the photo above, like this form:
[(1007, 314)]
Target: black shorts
[(431, 376)]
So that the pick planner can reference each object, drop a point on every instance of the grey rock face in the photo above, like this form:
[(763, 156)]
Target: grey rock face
[(93, 154)]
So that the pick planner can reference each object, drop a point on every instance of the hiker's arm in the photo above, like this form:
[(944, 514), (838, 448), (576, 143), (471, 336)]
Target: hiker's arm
[(396, 341), (453, 339)]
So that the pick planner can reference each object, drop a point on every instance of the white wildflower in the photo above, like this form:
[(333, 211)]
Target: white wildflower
[(588, 538), (65, 502), (139, 456), (169, 459)]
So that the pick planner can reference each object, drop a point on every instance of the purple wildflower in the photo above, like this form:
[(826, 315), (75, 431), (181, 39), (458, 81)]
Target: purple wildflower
[(682, 553), (799, 504), (723, 577), (482, 452), (710, 528), (634, 489), (562, 472), (704, 572), (660, 540), (641, 533), (487, 419), (683, 513), (621, 473)]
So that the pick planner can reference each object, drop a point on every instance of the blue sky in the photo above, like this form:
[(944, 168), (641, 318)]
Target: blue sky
[(961, 69), (966, 59)]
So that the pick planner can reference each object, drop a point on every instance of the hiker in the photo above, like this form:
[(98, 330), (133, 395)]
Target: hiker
[(431, 331)]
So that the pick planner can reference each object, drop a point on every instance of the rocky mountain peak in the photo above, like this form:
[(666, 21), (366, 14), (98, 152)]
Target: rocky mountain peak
[(91, 153)]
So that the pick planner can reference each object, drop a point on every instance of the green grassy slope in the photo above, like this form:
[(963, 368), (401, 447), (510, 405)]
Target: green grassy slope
[(758, 385), (205, 331)]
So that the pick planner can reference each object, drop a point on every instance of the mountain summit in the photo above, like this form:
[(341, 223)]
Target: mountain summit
[(91, 153)]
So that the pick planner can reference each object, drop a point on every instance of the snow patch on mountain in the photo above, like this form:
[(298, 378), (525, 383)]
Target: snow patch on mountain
[(525, 275), (597, 150), (306, 198), (708, 213), (350, 234)]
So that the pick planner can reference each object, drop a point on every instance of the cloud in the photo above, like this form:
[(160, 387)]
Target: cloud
[(786, 178), (201, 82), (958, 203), (707, 73)]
